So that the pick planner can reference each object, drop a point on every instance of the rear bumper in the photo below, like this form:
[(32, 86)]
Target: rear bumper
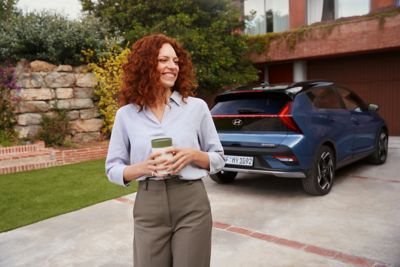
[(268, 172)]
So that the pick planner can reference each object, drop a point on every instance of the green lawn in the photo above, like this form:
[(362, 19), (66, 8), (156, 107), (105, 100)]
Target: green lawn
[(28, 197)]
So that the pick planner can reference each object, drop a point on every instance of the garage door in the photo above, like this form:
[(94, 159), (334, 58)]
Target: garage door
[(375, 77)]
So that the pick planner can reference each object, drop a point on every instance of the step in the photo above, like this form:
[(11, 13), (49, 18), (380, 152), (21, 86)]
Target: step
[(7, 160), (26, 157), (37, 156), (22, 149)]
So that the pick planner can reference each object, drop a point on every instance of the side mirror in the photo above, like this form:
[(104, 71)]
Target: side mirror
[(373, 107)]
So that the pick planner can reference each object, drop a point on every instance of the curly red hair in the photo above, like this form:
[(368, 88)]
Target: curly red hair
[(141, 81)]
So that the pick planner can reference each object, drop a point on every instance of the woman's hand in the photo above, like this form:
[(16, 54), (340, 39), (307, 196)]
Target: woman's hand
[(155, 164), (185, 156), (149, 167)]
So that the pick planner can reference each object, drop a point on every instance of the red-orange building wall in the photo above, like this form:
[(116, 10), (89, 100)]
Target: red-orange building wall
[(380, 4), (298, 10), (297, 13)]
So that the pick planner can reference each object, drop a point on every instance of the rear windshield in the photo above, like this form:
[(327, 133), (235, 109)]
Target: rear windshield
[(250, 103)]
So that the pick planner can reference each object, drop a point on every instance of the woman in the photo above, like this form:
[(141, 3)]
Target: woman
[(172, 216)]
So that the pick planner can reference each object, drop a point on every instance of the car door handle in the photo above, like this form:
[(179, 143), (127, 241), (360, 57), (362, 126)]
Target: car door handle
[(355, 120)]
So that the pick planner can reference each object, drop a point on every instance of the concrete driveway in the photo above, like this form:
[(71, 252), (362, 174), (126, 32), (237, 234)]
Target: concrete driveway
[(258, 221)]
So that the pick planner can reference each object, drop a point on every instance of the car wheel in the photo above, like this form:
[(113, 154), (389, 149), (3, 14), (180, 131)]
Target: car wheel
[(320, 178), (224, 177), (381, 149)]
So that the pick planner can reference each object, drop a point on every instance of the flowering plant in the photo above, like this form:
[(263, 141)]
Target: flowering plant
[(108, 72), (9, 98)]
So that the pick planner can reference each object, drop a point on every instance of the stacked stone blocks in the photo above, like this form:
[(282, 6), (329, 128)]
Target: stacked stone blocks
[(45, 87)]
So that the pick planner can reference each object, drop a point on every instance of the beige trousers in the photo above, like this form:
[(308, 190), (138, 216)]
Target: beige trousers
[(173, 223)]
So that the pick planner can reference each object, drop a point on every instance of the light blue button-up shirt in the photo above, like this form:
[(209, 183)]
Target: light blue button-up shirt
[(189, 124)]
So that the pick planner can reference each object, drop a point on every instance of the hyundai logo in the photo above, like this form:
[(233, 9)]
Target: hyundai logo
[(237, 122)]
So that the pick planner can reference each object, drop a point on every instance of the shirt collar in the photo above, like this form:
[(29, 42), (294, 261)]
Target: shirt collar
[(176, 97)]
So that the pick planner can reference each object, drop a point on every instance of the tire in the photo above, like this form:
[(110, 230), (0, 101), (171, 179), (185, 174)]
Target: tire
[(381, 149), (224, 177), (320, 178)]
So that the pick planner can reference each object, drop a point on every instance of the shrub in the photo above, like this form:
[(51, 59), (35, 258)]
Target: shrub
[(55, 129), (8, 8), (8, 101), (108, 71), (49, 37), (208, 29)]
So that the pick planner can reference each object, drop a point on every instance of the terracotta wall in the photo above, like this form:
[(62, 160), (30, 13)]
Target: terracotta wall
[(297, 13), (377, 5), (357, 35)]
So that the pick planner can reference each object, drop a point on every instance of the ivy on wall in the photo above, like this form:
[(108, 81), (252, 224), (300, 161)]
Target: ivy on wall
[(260, 44)]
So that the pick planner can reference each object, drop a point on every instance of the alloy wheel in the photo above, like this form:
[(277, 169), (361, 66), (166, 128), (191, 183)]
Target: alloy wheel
[(383, 146), (325, 170)]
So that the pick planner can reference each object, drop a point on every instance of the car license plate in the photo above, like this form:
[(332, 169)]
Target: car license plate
[(239, 160)]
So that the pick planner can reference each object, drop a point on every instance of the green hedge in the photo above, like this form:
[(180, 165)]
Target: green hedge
[(50, 37)]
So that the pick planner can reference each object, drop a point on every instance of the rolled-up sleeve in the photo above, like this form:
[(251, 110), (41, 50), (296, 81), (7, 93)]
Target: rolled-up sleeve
[(118, 151), (209, 141)]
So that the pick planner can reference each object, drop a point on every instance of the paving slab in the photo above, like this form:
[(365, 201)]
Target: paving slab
[(258, 221), (101, 235)]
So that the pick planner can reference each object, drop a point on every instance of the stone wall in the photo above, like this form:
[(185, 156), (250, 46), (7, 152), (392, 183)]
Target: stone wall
[(45, 86)]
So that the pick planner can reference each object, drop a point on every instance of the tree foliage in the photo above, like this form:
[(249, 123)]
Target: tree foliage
[(50, 37), (7, 8), (206, 28)]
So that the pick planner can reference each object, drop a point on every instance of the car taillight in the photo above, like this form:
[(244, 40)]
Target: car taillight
[(286, 117)]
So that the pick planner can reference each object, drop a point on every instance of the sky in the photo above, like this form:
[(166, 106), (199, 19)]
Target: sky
[(71, 8)]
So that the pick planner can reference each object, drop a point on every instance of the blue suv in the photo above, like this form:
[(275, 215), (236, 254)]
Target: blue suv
[(305, 130)]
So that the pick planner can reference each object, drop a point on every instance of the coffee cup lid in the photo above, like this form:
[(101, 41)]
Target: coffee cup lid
[(161, 142)]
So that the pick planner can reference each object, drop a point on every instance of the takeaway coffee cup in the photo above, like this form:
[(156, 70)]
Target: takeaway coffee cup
[(160, 145)]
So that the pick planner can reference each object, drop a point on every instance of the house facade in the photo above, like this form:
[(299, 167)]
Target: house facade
[(355, 43)]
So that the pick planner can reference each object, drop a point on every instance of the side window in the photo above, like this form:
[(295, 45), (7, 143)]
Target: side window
[(323, 97), (351, 101)]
